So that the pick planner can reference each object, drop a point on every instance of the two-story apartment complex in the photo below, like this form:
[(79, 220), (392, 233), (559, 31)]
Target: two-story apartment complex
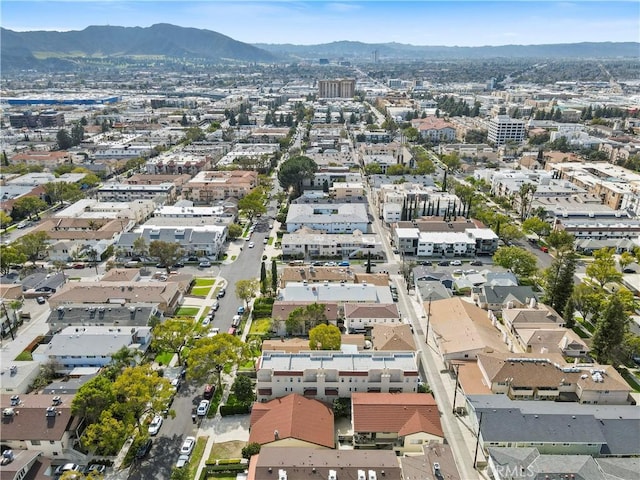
[(207, 187)]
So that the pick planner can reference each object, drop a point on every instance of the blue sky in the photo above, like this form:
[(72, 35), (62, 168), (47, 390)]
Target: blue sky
[(426, 22)]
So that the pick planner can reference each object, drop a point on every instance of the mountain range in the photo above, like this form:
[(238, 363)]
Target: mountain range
[(49, 49)]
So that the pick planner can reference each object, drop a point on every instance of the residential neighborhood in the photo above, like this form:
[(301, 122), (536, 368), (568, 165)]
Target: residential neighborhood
[(327, 268)]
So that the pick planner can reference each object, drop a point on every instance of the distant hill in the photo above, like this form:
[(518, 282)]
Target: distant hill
[(67, 50), (30, 49), (364, 51)]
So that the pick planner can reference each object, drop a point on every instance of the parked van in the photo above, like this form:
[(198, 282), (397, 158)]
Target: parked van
[(236, 320)]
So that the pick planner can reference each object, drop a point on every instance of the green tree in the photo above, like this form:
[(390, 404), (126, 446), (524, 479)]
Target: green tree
[(32, 245), (250, 449), (77, 133), (5, 220), (10, 255), (451, 161), (106, 436), (586, 300), (123, 358), (294, 171), (93, 398), (252, 204), (569, 313), (560, 239), (263, 279), (526, 193), (214, 354), (557, 280), (610, 331), (518, 260), (172, 335), (166, 253), (397, 169), (536, 225), (140, 390), (28, 207), (325, 337), (373, 168), (274, 276), (64, 140), (602, 269), (625, 260), (302, 319), (243, 389), (510, 232), (140, 247), (246, 289), (235, 231)]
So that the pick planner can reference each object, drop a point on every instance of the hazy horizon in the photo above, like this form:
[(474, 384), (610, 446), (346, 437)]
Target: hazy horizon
[(419, 23)]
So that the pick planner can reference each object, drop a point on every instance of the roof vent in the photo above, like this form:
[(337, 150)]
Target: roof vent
[(332, 475), (51, 412), (282, 474), (362, 475)]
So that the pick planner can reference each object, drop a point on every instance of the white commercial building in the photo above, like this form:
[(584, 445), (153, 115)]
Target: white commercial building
[(503, 128), (328, 217)]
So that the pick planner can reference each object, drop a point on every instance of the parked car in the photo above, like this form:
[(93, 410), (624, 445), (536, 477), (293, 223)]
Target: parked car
[(205, 264), (476, 263), (144, 449), (235, 321), (187, 446), (456, 263), (67, 467), (203, 408), (231, 331), (206, 321), (96, 468), (240, 310), (215, 306), (182, 461), (426, 264), (78, 266), (544, 249), (208, 391), (444, 263), (176, 383), (222, 292), (344, 264), (265, 241), (177, 265), (41, 300), (154, 426), (251, 244)]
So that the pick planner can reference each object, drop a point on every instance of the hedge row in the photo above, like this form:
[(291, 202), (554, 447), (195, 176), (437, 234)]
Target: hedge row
[(231, 468), (226, 410)]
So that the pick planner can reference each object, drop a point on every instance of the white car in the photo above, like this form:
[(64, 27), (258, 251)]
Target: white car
[(154, 426), (206, 321), (187, 446), (203, 408), (251, 244), (456, 263), (182, 461)]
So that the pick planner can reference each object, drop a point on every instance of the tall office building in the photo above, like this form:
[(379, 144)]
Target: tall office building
[(503, 128), (341, 88)]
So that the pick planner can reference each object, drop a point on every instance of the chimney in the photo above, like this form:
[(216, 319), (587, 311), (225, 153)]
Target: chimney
[(276, 434)]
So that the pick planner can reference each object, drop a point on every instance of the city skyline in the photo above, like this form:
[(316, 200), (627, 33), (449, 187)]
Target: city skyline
[(453, 23)]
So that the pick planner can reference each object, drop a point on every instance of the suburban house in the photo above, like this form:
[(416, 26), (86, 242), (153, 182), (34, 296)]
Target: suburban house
[(556, 427), (401, 422), (115, 315), (393, 338), (167, 295), (462, 330), (552, 340), (497, 297), (42, 283), (306, 462), (527, 377), (41, 423), (328, 217), (91, 346), (358, 317), (535, 315), (327, 375), (292, 421), (209, 186)]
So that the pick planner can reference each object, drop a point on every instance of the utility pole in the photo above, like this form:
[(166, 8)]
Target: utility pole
[(456, 366), (475, 455), (6, 314), (428, 320)]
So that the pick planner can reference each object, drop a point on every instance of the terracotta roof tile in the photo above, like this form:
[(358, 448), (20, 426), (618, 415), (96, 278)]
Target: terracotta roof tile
[(396, 412), (293, 416)]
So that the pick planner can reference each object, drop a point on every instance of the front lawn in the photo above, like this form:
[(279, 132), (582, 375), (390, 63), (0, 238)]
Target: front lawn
[(164, 358), (200, 291), (260, 326), (232, 449), (187, 311), (204, 282), (270, 241)]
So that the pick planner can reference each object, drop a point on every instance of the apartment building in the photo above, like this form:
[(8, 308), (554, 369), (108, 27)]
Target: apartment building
[(434, 129), (123, 192), (337, 88), (46, 119), (443, 243), (327, 375), (346, 190), (313, 244), (208, 187), (328, 217), (503, 129)]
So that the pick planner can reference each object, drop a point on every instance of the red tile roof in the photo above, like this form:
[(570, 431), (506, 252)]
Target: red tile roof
[(404, 413), (293, 416)]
